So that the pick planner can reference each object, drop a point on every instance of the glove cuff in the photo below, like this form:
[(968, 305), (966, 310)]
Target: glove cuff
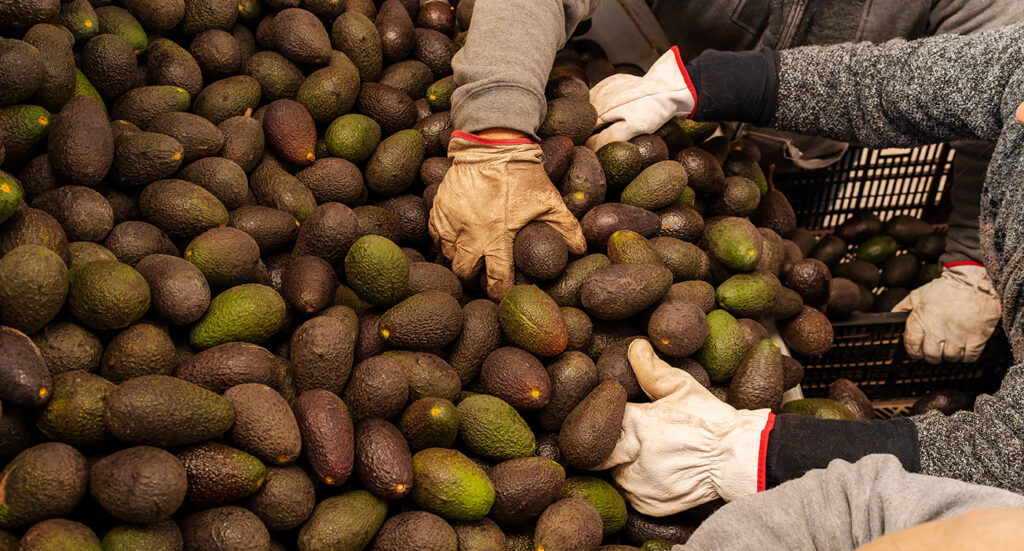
[(739, 469), (490, 141)]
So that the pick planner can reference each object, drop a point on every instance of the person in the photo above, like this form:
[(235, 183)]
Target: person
[(496, 186), (685, 447)]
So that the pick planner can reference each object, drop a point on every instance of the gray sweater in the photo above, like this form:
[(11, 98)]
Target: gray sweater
[(841, 508)]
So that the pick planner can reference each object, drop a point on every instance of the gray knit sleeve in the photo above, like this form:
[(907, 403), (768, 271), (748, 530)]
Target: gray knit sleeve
[(841, 508), (900, 93), (503, 67)]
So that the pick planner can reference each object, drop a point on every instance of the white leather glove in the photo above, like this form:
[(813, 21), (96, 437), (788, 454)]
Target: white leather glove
[(687, 447), (635, 105), (952, 317)]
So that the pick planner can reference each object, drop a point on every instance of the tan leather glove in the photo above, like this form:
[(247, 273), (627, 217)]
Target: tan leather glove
[(492, 190), (978, 529)]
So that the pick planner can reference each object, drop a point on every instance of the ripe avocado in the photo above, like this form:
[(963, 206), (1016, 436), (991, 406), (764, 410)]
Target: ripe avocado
[(651, 147), (829, 249), (107, 295), (740, 197), (734, 242), (58, 533), (243, 141), (286, 499), (141, 106), (395, 27), (81, 147), (427, 276), (678, 328), (482, 535), (142, 349), (35, 284), (859, 271), (44, 481), (22, 69), (656, 186), (229, 527), (517, 377), (878, 249), (395, 163), (356, 36), (179, 291), (705, 173), (523, 488), (377, 387), (198, 137), (775, 212), (846, 392), (758, 382), (530, 318), (219, 474), (329, 232), (224, 366), (725, 347), (300, 36), (929, 247), (431, 319), (620, 291), (29, 226), (309, 284), (578, 326), (602, 495), (900, 271), (274, 187), (389, 106), (700, 293), (481, 333), (573, 375), (592, 428), (449, 484), (613, 365), (161, 536), (68, 347), (84, 214), (622, 163), (377, 271), (492, 429), (140, 485), (322, 350), (109, 62), (822, 408), (383, 462), (264, 424), (681, 222), (74, 413), (329, 92), (166, 411), (809, 333), (576, 119), (570, 523), (334, 179), (290, 131), (180, 208), (859, 227), (226, 256), (327, 435), (907, 229), (604, 220), (844, 298), (746, 295), (58, 65), (226, 98), (629, 247), (343, 522), (430, 422), (686, 260), (249, 313), (811, 279)]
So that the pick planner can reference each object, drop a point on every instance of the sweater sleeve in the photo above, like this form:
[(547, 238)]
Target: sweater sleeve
[(502, 69), (901, 93), (842, 507)]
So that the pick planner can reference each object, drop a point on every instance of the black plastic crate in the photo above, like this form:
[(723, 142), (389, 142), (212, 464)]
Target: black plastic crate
[(888, 182), (868, 350)]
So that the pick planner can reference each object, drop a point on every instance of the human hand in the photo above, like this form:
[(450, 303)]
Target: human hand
[(952, 317), (634, 105), (686, 447), (494, 188)]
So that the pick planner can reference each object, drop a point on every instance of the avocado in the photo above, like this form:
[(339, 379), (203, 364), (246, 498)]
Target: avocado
[(224, 179), (290, 131), (482, 535), (243, 141), (434, 49), (368, 342), (327, 435), (900, 271), (219, 474), (395, 163), (591, 429), (428, 375), (809, 333), (21, 15), (264, 424), (523, 488), (449, 484), (860, 271), (578, 326), (226, 256), (613, 365), (142, 349), (276, 188), (58, 533), (700, 293), (377, 387), (165, 411), (169, 64), (229, 527), (906, 230), (84, 252), (143, 157), (620, 291), (927, 273), (35, 286), (74, 413), (746, 295), (758, 382), (844, 298), (119, 21), (44, 481), (201, 15), (427, 320), (377, 271), (68, 347), (250, 313), (602, 496), (16, 432), (491, 428), (517, 377), (24, 128), (686, 260), (656, 186), (829, 249), (415, 529), (439, 94), (725, 347), (224, 366), (84, 214), (822, 408), (740, 197), (412, 77), (604, 220), (286, 499), (57, 84), (652, 149), (345, 522), (681, 222), (356, 36), (374, 220), (300, 36), (775, 212), (576, 120), (678, 328), (322, 351), (109, 62), (530, 318), (811, 279), (80, 144), (141, 106), (558, 154), (878, 249), (427, 276), (569, 523), (141, 485), (573, 375), (180, 208), (199, 138), (22, 69), (10, 194), (107, 295), (329, 232), (753, 331), (946, 401), (430, 422), (705, 173), (28, 226), (390, 107), (179, 291), (867, 298), (565, 290), (334, 179), (226, 98), (383, 462), (161, 536), (395, 27), (309, 284), (629, 247), (929, 247), (846, 392), (329, 93), (734, 242)]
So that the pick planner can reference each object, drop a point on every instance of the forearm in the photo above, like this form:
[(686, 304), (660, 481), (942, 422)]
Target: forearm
[(841, 507), (503, 67), (969, 168)]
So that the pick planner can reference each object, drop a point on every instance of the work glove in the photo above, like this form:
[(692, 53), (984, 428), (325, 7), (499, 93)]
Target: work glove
[(634, 105), (952, 317), (686, 447), (492, 190)]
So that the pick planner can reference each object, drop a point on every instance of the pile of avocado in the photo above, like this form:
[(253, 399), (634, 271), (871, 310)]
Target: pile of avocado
[(224, 326)]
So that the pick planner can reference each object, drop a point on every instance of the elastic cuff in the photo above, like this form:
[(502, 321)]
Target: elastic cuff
[(734, 86), (762, 452), (508, 107), (798, 444), (963, 263), (686, 78), (488, 141)]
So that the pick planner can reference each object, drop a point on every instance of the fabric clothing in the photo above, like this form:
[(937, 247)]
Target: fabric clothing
[(841, 508)]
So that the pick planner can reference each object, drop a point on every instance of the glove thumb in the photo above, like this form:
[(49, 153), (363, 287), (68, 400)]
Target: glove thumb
[(621, 131), (905, 305), (656, 377), (559, 218)]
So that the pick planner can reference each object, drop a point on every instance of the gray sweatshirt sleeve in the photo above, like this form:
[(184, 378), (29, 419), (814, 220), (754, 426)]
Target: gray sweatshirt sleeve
[(502, 69), (841, 508)]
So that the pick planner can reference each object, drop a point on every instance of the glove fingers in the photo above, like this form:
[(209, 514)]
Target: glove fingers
[(953, 352), (913, 338), (559, 218), (627, 448), (904, 305), (465, 263), (657, 378), (500, 273), (932, 349), (621, 131), (973, 352)]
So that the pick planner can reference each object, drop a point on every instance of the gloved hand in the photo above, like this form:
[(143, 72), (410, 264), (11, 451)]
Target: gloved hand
[(687, 447), (493, 189), (952, 317), (635, 105)]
